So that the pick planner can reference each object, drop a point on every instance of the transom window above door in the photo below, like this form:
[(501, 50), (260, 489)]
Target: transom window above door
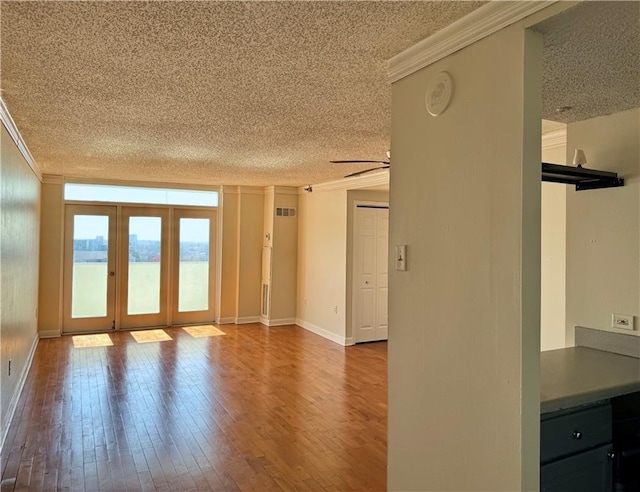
[(137, 194)]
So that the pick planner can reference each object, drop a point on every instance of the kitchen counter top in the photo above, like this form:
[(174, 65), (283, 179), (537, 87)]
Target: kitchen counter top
[(578, 375)]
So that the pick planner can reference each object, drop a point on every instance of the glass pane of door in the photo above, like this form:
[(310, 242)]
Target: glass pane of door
[(90, 272), (145, 250), (193, 268)]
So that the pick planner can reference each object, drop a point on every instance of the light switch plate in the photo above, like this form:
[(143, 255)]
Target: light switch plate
[(401, 257)]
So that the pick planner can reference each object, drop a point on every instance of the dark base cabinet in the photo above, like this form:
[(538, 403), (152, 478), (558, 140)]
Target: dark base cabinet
[(576, 450), (589, 471), (626, 440), (592, 448)]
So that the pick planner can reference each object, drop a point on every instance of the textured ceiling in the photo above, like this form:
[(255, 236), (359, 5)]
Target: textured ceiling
[(591, 60), (258, 93), (255, 93)]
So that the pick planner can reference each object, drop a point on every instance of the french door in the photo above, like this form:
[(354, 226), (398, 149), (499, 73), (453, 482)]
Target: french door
[(89, 279), (135, 266), (193, 267), (144, 262)]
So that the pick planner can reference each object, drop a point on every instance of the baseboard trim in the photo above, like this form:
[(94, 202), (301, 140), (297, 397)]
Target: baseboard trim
[(49, 334), (278, 322), (349, 341), (226, 321), (247, 319), (323, 333), (16, 395)]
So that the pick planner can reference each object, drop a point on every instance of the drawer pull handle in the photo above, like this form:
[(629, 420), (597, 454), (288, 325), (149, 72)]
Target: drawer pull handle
[(577, 434)]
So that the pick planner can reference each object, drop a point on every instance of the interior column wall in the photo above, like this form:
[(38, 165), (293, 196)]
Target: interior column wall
[(51, 244), (250, 228), (464, 343)]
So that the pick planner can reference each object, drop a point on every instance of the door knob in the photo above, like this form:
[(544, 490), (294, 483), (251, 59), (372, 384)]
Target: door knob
[(112, 274)]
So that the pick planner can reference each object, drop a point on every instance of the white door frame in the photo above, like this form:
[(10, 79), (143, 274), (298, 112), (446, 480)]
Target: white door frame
[(354, 263)]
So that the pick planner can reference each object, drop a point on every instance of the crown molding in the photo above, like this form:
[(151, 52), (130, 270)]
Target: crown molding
[(473, 27), (229, 190), (250, 190), (12, 128), (354, 183), (281, 190), (52, 179), (555, 139)]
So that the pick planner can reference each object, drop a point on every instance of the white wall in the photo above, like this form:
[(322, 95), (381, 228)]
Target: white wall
[(465, 198), (553, 255), (603, 226), (19, 249), (322, 257)]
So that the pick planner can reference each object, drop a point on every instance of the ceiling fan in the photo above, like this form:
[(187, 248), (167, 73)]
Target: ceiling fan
[(385, 165)]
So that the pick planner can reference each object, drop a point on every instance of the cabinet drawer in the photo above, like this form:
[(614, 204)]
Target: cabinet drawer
[(590, 471), (571, 433)]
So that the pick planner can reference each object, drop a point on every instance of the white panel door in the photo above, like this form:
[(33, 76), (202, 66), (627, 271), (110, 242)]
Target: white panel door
[(371, 232)]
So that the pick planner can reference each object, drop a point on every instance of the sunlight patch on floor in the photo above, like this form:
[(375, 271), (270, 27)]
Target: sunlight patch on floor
[(203, 331), (82, 341), (147, 336)]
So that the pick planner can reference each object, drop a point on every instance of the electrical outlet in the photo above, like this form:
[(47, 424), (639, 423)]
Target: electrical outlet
[(622, 321)]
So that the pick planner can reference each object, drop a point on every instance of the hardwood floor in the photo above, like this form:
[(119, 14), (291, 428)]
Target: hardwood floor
[(254, 409)]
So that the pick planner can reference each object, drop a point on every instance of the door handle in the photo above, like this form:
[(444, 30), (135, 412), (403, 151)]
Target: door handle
[(112, 274)]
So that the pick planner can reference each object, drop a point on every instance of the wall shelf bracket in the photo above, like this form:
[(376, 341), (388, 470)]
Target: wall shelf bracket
[(582, 178)]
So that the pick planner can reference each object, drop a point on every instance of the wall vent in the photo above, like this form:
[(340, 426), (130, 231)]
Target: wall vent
[(265, 299), (286, 212)]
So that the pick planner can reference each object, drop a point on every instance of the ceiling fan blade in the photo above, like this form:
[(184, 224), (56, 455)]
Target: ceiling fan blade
[(386, 163), (358, 173)]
